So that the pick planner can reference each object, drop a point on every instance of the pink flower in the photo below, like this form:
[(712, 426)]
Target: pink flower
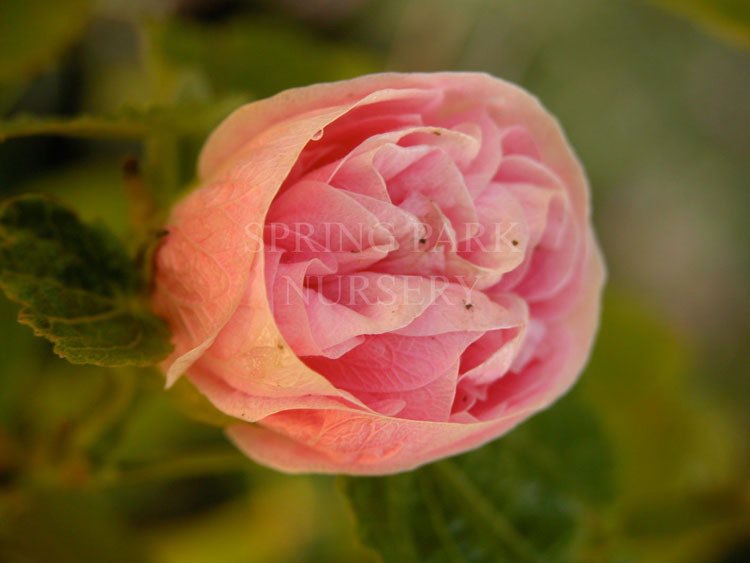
[(381, 272)]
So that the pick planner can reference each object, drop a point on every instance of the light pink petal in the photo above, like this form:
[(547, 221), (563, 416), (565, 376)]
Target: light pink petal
[(503, 238), (436, 178), (256, 402), (405, 227), (346, 307), (330, 441), (300, 223), (552, 268), (480, 170), (390, 363), (459, 308), (432, 401), (490, 357)]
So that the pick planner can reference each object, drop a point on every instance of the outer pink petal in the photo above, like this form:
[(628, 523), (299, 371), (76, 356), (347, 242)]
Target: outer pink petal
[(204, 265), (326, 441)]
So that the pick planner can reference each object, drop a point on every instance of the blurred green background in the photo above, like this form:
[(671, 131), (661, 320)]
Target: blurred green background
[(102, 465)]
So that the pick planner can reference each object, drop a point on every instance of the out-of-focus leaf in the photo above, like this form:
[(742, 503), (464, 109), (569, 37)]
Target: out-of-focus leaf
[(259, 55), (191, 119), (9, 93), (77, 286), (32, 35), (156, 430), (640, 366), (679, 471), (280, 522), (728, 19), (252, 530), (539, 494), (64, 527), (19, 354)]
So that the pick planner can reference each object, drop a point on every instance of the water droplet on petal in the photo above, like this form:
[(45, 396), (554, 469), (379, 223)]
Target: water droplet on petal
[(317, 136)]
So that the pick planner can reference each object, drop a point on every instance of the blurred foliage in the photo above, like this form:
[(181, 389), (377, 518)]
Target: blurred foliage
[(679, 464), (32, 37), (645, 461), (728, 19), (235, 53)]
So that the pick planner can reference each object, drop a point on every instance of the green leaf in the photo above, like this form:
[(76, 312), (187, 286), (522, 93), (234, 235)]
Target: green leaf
[(537, 495), (189, 119), (727, 19), (77, 285)]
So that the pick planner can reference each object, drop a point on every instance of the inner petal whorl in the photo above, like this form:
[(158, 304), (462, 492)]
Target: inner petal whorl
[(424, 292)]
